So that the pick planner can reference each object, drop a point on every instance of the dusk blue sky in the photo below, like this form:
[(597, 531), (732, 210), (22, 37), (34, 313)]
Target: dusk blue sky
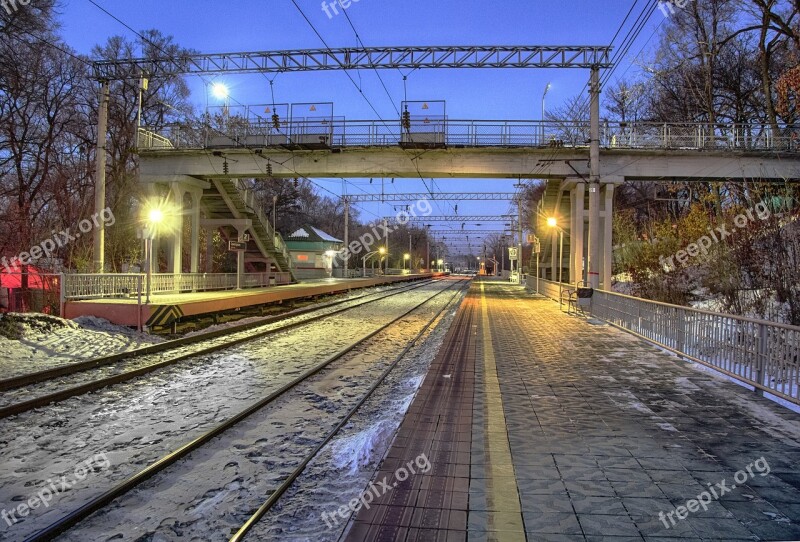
[(470, 94)]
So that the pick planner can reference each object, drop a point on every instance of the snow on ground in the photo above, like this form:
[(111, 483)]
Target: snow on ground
[(344, 468), (138, 422), (253, 319), (35, 342), (216, 488)]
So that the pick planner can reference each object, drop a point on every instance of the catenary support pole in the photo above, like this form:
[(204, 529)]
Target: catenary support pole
[(100, 178), (594, 180)]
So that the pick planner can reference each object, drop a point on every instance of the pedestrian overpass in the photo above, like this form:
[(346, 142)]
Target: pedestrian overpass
[(183, 157)]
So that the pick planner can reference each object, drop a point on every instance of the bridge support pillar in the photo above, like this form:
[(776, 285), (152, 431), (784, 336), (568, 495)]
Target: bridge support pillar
[(608, 234), (577, 229), (196, 195), (175, 264)]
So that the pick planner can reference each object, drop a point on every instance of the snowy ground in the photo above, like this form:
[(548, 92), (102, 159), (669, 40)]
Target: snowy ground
[(237, 471), (66, 382), (47, 341), (138, 422), (344, 468), (42, 342)]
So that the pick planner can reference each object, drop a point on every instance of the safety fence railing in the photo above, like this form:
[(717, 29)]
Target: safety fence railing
[(765, 355), (108, 286), (339, 132)]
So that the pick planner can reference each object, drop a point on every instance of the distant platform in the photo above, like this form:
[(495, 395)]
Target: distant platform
[(165, 309)]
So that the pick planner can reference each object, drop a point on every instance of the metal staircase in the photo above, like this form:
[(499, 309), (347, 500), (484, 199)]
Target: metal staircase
[(230, 198)]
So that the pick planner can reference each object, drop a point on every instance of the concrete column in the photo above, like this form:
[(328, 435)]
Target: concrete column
[(195, 255), (239, 259), (594, 180), (608, 235), (176, 259), (573, 205), (99, 241), (554, 252), (578, 230)]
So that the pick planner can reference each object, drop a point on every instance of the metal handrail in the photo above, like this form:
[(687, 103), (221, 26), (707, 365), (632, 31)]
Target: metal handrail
[(762, 354), (479, 133), (99, 286)]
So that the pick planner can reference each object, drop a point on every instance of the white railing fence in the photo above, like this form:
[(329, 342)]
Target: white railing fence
[(479, 133), (93, 286), (765, 355)]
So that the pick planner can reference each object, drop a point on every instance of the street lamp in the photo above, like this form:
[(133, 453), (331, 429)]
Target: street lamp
[(407, 258), (221, 92), (553, 223), (369, 255), (154, 217)]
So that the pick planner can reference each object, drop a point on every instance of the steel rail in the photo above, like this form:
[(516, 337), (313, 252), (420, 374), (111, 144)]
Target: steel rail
[(276, 495), (44, 400), (73, 518)]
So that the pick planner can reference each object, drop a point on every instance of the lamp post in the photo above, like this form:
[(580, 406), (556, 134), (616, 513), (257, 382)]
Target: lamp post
[(553, 223), (407, 258), (409, 252), (221, 92), (154, 218), (367, 256)]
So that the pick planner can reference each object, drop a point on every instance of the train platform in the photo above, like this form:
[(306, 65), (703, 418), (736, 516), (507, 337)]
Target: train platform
[(547, 427), (164, 309)]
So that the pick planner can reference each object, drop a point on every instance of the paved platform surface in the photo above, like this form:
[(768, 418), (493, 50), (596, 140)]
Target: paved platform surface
[(540, 426)]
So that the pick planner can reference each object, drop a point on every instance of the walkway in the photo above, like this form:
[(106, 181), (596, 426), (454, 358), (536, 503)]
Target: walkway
[(542, 426)]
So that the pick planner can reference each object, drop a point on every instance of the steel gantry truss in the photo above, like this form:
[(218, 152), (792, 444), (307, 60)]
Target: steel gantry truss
[(440, 196), (455, 218), (591, 57), (467, 233), (349, 58)]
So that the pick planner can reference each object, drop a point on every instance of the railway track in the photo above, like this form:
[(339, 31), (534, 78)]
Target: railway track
[(71, 381), (160, 465), (275, 496)]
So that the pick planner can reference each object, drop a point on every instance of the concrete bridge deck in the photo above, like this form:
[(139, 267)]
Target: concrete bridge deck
[(542, 426)]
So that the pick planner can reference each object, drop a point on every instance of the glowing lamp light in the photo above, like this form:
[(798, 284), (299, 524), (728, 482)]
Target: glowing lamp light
[(220, 91), (155, 216), (406, 256), (382, 250), (552, 222)]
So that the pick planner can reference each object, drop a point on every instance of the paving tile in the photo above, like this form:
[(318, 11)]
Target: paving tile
[(598, 505), (604, 432), (604, 525), (556, 523)]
